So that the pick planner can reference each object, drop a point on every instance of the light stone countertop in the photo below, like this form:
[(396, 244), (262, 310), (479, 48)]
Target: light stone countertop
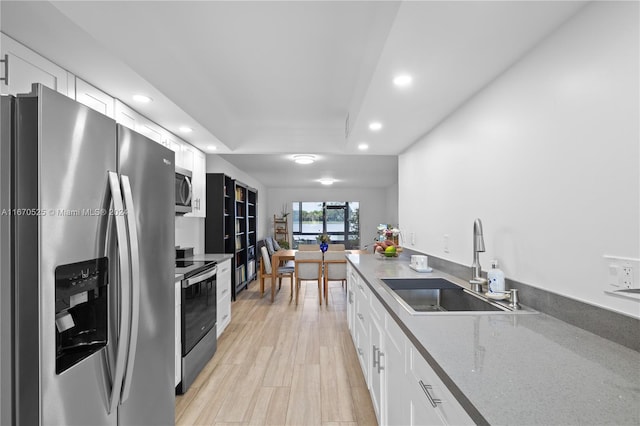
[(516, 368)]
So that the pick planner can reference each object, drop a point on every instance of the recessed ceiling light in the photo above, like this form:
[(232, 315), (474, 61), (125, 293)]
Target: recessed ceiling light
[(402, 80), (304, 158), (326, 181), (375, 126), (142, 99), (363, 146), (185, 129), (211, 147)]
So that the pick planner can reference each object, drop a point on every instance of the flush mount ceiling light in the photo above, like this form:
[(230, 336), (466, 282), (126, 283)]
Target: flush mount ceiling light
[(326, 181), (304, 158), (375, 126), (363, 146), (142, 99), (185, 129), (402, 80)]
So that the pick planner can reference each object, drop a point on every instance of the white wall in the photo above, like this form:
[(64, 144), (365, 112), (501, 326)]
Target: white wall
[(377, 205), (547, 156)]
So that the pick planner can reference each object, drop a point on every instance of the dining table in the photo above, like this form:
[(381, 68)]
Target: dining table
[(290, 254)]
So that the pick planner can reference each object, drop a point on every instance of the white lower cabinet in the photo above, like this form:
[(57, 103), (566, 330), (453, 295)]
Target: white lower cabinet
[(377, 373), (404, 389), (178, 332), (352, 281), (223, 294), (431, 401), (397, 409)]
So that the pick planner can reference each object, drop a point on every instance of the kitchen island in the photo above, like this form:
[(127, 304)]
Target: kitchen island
[(512, 367)]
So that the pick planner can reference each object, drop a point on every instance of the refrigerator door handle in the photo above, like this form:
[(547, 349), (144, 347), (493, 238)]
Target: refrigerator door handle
[(130, 214), (125, 285)]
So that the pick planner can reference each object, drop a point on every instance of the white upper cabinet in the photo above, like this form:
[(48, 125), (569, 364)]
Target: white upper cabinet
[(25, 67), (94, 98), (135, 121), (199, 183), (150, 129), (125, 115)]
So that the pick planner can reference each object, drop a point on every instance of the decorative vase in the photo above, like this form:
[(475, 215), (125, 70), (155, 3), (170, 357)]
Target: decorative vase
[(324, 247)]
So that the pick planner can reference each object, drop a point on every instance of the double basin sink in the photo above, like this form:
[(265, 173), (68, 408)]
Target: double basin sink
[(429, 295)]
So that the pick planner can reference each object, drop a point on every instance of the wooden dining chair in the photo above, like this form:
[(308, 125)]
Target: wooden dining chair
[(336, 247), (308, 247), (335, 269), (265, 272), (308, 267)]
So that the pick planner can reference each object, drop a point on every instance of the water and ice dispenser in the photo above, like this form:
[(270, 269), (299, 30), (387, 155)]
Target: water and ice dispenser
[(81, 310)]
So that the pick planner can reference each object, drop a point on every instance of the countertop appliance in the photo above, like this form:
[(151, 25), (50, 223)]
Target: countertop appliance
[(199, 315), (184, 190), (88, 233)]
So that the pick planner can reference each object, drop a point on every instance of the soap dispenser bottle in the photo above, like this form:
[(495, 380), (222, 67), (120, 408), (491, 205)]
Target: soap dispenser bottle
[(495, 277)]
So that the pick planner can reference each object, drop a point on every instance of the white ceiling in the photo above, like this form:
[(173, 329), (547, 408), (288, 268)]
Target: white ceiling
[(262, 80)]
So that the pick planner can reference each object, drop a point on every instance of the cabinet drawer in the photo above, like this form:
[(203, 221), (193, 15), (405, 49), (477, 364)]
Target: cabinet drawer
[(223, 315), (427, 386)]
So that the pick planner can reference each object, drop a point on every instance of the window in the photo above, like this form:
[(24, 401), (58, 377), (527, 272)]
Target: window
[(338, 219)]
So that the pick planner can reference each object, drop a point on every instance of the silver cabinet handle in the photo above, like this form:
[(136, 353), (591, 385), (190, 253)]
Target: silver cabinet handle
[(360, 316), (426, 388), (225, 316), (375, 362), (360, 352), (380, 367)]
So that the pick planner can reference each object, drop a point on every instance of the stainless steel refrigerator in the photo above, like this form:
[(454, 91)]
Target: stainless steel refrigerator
[(87, 240)]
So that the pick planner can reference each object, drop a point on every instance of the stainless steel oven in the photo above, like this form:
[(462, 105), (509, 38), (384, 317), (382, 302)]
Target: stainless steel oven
[(199, 339)]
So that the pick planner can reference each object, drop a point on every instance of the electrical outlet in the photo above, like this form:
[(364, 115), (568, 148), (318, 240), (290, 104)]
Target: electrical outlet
[(627, 276), (622, 273), (446, 243)]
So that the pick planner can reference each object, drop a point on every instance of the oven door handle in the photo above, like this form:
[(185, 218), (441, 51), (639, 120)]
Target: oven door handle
[(199, 278)]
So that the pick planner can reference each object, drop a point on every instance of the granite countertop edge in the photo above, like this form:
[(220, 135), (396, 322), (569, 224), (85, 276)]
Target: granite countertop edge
[(515, 368)]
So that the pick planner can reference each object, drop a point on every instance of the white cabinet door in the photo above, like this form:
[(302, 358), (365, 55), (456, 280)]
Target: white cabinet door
[(397, 397), (199, 183), (431, 402), (125, 115), (178, 333), (26, 67), (150, 129), (94, 98), (377, 365), (363, 343), (352, 282), (223, 284)]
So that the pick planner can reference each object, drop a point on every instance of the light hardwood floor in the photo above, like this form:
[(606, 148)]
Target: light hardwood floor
[(278, 364)]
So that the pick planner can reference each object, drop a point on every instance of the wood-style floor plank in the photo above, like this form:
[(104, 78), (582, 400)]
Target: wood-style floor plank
[(281, 364)]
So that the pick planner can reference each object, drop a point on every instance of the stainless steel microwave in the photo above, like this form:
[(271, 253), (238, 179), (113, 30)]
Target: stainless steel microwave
[(183, 190)]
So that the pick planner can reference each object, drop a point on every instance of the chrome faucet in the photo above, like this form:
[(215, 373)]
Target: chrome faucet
[(478, 246)]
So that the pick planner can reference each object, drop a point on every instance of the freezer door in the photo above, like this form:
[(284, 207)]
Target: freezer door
[(148, 392), (63, 153)]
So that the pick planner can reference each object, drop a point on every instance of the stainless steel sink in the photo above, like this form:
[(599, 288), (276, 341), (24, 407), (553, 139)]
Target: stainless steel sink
[(428, 295)]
